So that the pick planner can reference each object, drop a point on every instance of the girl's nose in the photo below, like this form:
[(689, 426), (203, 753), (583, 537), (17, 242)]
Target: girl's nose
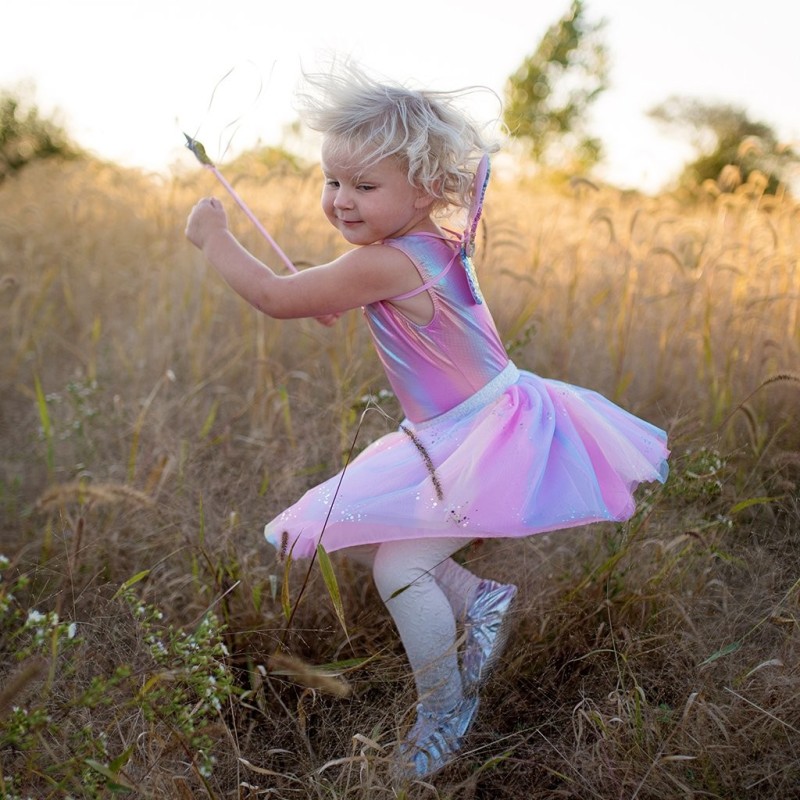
[(343, 198)]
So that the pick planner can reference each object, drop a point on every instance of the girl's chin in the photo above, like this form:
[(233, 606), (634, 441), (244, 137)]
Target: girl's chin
[(356, 236)]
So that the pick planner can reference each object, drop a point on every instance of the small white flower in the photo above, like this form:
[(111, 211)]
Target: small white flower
[(71, 630), (34, 616)]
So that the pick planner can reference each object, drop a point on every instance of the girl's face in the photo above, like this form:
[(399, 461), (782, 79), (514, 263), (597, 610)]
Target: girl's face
[(368, 206)]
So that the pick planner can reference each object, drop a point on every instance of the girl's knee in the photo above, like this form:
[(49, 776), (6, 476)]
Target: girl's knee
[(395, 570)]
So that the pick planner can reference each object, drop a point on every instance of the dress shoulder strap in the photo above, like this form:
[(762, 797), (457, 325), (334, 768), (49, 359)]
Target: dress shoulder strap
[(465, 242), (436, 278)]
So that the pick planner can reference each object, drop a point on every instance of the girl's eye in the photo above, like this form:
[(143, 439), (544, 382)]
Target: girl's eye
[(332, 183), (366, 187)]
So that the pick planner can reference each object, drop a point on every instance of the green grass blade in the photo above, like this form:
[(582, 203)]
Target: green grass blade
[(329, 576), (116, 783), (286, 603), (753, 501), (47, 425), (725, 651), (399, 591), (130, 582), (210, 419), (346, 665)]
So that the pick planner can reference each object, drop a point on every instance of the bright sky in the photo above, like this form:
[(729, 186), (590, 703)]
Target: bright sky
[(129, 75)]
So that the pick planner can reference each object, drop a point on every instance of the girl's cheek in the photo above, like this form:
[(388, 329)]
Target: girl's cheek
[(326, 201)]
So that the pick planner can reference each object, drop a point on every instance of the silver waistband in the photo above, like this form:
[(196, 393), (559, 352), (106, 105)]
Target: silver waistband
[(491, 391)]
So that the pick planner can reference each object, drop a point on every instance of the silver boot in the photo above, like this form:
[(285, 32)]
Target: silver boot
[(434, 739), (487, 628)]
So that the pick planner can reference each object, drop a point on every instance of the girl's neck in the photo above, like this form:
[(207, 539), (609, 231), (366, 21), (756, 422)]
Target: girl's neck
[(425, 225)]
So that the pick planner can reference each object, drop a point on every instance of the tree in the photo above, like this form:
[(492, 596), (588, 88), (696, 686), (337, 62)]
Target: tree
[(26, 136), (548, 97), (730, 145)]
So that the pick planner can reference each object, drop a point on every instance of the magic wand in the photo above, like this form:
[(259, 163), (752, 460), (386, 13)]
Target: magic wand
[(201, 155)]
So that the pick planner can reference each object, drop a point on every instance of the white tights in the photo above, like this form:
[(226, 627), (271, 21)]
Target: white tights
[(427, 593)]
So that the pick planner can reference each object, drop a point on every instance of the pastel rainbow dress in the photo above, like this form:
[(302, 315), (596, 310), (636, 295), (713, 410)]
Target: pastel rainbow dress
[(487, 450)]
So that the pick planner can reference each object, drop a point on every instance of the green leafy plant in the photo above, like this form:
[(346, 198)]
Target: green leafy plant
[(180, 689)]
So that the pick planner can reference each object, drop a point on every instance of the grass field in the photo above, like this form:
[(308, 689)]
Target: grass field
[(150, 423)]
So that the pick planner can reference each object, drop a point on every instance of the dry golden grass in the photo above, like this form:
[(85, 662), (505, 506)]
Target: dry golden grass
[(151, 422)]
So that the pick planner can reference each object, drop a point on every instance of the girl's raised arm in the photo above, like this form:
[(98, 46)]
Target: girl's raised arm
[(361, 276)]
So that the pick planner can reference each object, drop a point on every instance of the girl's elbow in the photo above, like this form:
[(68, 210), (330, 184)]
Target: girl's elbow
[(277, 299), (269, 309), (282, 314), (275, 309)]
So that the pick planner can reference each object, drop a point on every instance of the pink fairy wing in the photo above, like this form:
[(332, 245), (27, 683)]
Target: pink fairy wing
[(476, 207), (471, 230)]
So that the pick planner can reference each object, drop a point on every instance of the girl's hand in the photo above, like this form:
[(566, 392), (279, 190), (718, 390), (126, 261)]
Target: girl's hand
[(206, 218)]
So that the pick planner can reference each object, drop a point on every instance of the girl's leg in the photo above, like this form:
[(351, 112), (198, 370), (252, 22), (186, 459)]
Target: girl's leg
[(425, 591), (458, 584), (404, 573), (482, 606)]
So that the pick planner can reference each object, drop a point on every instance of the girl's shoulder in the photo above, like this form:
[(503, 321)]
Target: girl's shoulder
[(423, 243)]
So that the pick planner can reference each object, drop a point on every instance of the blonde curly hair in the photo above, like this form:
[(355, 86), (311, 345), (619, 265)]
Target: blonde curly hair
[(369, 120)]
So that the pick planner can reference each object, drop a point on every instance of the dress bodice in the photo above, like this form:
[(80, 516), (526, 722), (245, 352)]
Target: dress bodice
[(434, 367)]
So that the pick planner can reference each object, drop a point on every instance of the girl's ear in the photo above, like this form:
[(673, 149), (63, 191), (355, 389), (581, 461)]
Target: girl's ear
[(424, 200)]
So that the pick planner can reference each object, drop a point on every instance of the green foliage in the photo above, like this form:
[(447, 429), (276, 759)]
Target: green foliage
[(548, 97), (731, 147), (190, 684), (181, 687), (26, 136)]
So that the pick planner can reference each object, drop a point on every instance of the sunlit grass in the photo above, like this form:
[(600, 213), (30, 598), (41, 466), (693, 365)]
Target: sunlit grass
[(151, 423)]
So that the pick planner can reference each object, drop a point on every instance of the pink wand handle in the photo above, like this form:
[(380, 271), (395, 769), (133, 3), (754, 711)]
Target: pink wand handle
[(261, 229)]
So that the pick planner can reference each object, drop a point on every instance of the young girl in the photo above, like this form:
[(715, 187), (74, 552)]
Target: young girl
[(486, 449)]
